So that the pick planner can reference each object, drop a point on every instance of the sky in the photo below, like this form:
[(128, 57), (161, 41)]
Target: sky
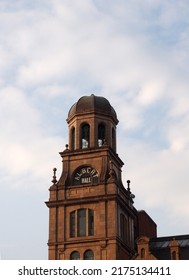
[(52, 52)]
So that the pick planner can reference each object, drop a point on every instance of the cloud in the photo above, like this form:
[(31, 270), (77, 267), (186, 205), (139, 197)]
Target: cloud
[(158, 179), (25, 145)]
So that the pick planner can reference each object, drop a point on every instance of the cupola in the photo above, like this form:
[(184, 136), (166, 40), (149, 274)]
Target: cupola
[(92, 123)]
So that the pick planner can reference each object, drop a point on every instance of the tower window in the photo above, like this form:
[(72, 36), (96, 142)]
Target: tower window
[(88, 255), (81, 226), (72, 224), (75, 256), (85, 136), (82, 222), (113, 139), (91, 222), (101, 134), (73, 138), (124, 228)]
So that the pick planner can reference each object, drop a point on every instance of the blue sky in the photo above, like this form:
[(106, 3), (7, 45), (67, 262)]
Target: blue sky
[(134, 53)]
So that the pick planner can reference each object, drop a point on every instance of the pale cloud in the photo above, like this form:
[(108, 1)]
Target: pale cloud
[(55, 90), (150, 92), (158, 179), (24, 141), (17, 114), (178, 135), (180, 100)]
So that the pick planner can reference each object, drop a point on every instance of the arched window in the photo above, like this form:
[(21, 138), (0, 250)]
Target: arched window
[(101, 134), (88, 255), (142, 253), (73, 138), (113, 139), (85, 136), (75, 256)]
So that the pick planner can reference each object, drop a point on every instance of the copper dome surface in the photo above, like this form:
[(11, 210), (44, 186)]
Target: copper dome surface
[(92, 104)]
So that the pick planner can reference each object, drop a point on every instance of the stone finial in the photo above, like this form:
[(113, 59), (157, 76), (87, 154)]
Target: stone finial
[(128, 186), (132, 196), (54, 181)]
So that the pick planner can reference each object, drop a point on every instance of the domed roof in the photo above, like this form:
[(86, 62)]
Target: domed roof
[(92, 104)]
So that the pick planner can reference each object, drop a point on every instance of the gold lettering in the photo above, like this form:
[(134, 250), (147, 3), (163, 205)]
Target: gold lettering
[(83, 171), (85, 180), (88, 169), (93, 171)]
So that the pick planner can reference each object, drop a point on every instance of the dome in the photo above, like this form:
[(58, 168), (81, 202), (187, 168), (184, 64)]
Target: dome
[(92, 104)]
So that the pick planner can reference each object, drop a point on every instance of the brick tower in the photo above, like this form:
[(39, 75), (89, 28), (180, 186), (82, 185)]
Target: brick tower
[(91, 214)]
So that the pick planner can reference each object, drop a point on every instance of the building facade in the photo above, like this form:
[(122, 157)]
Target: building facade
[(91, 211)]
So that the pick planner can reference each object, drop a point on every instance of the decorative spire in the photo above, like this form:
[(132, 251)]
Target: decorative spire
[(54, 181), (128, 186), (66, 150), (132, 196)]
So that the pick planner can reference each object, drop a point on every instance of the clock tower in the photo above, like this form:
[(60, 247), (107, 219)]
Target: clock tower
[(91, 213)]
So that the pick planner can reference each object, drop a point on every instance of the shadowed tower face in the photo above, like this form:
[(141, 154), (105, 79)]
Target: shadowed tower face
[(91, 214)]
